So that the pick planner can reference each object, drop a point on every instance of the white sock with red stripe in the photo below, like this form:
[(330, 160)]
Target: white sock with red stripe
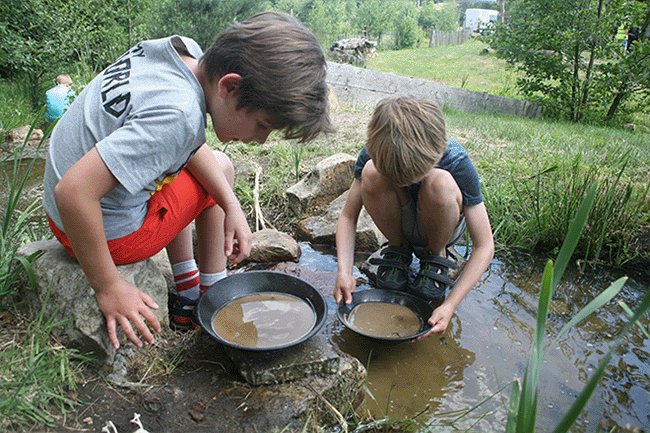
[(209, 279), (186, 277)]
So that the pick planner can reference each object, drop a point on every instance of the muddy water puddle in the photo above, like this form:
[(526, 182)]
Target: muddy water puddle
[(486, 347), (34, 181)]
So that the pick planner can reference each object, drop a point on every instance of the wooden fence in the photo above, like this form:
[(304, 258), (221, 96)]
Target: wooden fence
[(441, 38)]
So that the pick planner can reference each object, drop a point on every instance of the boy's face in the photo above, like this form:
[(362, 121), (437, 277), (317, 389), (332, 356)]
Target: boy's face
[(232, 124), (242, 125)]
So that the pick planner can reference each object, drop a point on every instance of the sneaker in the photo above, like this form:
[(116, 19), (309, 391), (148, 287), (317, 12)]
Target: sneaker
[(393, 270), (182, 313)]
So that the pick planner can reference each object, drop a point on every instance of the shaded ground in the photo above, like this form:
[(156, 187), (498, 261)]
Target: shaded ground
[(203, 394)]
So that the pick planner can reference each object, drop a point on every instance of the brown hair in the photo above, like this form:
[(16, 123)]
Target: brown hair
[(406, 138), (283, 71)]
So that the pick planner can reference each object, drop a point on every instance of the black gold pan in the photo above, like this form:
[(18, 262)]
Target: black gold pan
[(248, 283), (421, 309)]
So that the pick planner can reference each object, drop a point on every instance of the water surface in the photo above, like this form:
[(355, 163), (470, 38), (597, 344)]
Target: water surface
[(264, 320), (486, 347)]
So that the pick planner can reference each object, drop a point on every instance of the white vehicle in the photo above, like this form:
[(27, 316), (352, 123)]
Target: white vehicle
[(477, 20)]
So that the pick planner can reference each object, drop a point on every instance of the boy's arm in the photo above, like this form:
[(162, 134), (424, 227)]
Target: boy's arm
[(345, 237), (205, 168), (77, 197), (480, 233)]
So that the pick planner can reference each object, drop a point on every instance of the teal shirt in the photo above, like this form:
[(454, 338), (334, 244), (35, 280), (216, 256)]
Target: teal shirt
[(58, 100)]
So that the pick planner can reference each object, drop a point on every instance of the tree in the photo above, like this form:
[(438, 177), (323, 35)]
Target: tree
[(407, 32), (32, 43), (201, 20), (326, 19), (41, 38), (438, 16), (375, 17), (566, 50), (633, 70)]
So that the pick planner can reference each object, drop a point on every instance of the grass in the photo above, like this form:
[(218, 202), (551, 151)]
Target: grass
[(37, 376), (36, 373), (534, 172), (466, 66)]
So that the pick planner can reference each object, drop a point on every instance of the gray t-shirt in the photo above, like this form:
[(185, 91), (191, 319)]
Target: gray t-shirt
[(146, 115)]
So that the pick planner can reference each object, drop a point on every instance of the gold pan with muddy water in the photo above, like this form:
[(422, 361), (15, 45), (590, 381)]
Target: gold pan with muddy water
[(261, 311), (386, 315)]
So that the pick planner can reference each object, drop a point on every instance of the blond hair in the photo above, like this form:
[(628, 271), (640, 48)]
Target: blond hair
[(63, 79), (406, 138)]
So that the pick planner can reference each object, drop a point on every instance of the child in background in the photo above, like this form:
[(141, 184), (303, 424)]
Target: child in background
[(422, 192), (128, 168), (59, 98)]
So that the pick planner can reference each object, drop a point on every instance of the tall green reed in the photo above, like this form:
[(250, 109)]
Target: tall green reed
[(524, 395), (17, 224)]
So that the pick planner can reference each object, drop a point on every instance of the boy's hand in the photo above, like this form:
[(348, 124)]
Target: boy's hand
[(345, 285), (236, 229), (439, 320), (125, 304)]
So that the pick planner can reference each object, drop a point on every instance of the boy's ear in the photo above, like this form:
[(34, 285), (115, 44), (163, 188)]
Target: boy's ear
[(229, 83)]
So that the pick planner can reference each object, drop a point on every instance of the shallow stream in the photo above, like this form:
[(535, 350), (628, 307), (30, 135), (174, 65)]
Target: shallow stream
[(486, 347)]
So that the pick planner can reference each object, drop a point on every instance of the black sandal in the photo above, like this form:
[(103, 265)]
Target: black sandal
[(432, 280), (393, 270)]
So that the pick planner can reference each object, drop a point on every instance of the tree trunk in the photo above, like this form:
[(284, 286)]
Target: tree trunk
[(617, 100), (575, 86), (592, 58)]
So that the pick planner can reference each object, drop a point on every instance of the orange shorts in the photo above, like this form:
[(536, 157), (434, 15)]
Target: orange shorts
[(169, 211)]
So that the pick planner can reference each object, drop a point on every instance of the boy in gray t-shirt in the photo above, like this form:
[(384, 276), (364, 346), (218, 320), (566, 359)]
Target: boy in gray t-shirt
[(128, 169)]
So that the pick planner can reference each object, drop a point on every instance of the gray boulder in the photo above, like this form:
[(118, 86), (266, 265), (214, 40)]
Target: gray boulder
[(322, 229), (273, 246), (329, 179), (63, 293)]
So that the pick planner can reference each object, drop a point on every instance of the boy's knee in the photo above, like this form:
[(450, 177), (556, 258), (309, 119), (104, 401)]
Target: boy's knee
[(371, 179), (440, 188)]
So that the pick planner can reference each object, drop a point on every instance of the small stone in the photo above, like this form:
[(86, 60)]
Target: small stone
[(197, 416)]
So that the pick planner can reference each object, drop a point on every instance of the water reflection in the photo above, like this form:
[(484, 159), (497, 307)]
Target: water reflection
[(487, 346), (406, 377)]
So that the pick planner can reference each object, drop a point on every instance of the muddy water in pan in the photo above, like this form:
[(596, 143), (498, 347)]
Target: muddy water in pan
[(487, 344), (379, 319), (264, 320)]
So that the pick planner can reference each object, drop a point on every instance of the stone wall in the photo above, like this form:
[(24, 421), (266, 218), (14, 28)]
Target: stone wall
[(360, 86)]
